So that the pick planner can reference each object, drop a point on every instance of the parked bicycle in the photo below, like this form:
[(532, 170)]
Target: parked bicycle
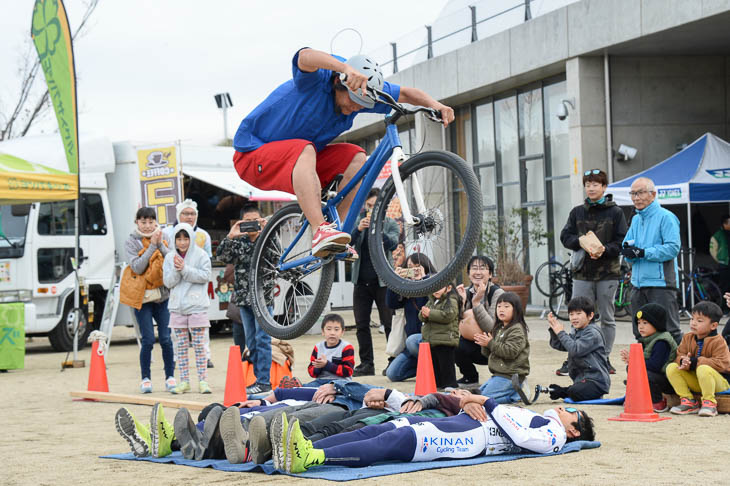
[(700, 283), (420, 187), (622, 303)]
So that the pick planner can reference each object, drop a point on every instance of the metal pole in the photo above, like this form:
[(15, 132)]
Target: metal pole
[(225, 122), (691, 258), (473, 9), (429, 55), (528, 13), (395, 57), (76, 308), (607, 96)]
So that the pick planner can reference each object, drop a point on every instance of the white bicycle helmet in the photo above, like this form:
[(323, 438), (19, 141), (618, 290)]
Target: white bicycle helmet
[(369, 68)]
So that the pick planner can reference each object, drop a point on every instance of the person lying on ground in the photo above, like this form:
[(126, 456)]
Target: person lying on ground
[(333, 358), (485, 428), (587, 365)]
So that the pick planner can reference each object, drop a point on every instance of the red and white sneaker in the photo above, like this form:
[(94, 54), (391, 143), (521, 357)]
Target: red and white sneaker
[(328, 239), (351, 254)]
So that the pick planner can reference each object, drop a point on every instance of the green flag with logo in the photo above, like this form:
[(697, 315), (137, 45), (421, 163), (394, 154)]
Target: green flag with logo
[(12, 336), (52, 38)]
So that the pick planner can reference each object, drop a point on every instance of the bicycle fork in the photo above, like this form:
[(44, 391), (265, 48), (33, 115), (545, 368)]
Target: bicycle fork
[(397, 157)]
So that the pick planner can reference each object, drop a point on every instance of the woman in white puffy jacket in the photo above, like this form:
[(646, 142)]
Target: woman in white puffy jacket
[(186, 272)]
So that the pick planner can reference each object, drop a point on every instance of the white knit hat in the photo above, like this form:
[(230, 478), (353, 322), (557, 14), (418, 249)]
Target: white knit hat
[(188, 203)]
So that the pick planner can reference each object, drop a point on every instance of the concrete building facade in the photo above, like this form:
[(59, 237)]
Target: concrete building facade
[(650, 74)]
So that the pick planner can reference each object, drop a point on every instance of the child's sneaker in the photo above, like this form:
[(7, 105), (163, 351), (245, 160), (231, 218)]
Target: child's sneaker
[(660, 407), (327, 239), (277, 435), (300, 455), (204, 388), (182, 387), (290, 382), (709, 409), (146, 386), (258, 388), (170, 383), (563, 370), (161, 433), (136, 434), (686, 406)]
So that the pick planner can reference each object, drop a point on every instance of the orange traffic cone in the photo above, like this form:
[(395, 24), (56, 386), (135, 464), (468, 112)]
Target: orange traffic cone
[(638, 406), (248, 377), (425, 379), (97, 370), (235, 387)]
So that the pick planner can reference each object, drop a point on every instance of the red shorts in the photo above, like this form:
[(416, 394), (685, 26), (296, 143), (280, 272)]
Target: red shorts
[(270, 166)]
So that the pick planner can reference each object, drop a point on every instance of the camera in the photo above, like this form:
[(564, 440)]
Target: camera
[(249, 226), (411, 272)]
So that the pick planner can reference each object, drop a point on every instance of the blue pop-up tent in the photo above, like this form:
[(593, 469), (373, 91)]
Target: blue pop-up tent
[(698, 174)]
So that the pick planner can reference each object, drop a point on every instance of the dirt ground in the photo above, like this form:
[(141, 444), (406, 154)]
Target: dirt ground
[(52, 439)]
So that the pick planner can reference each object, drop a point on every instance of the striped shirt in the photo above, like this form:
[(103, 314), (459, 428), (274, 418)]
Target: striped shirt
[(340, 360)]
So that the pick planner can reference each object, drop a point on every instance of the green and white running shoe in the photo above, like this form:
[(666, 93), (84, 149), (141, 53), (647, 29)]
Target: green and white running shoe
[(279, 426), (136, 434), (204, 388), (182, 387), (161, 433), (300, 455)]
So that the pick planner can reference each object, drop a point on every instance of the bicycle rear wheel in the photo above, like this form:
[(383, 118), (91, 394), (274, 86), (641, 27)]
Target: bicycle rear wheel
[(559, 302), (298, 295), (706, 289), (549, 277), (449, 227)]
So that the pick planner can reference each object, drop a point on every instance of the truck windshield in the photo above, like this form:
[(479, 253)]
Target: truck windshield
[(12, 231)]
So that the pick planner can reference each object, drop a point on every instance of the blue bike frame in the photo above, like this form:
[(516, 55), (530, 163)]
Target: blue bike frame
[(367, 173)]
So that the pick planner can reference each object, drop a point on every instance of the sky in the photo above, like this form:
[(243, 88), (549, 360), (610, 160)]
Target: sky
[(147, 70)]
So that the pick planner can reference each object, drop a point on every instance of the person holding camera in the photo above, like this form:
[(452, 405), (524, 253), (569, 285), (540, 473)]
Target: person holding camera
[(237, 249), (652, 245), (368, 287)]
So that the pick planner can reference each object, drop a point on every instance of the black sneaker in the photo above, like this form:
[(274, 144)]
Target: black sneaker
[(611, 369), (563, 370), (258, 388), (364, 370), (210, 364), (465, 382)]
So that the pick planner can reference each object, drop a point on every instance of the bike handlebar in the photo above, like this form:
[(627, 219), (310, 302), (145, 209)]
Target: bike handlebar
[(384, 98)]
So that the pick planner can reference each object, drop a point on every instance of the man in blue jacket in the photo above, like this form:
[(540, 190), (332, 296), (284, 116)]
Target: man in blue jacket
[(651, 245)]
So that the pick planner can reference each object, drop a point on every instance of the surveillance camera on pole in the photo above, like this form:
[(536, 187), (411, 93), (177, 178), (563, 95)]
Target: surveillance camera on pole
[(562, 112), (625, 153), (223, 100)]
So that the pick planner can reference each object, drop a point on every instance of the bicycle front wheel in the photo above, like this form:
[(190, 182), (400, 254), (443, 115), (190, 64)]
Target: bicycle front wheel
[(549, 277), (297, 295), (448, 228)]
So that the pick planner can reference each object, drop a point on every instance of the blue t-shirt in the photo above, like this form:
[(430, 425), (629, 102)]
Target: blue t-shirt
[(304, 108)]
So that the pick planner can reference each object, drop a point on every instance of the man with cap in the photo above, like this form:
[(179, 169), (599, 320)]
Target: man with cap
[(284, 143), (187, 212), (660, 349)]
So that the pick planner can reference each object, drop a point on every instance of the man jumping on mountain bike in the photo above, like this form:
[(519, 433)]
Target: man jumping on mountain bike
[(283, 143)]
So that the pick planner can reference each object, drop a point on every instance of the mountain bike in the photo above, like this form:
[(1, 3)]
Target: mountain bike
[(700, 283), (562, 292), (283, 265), (622, 304)]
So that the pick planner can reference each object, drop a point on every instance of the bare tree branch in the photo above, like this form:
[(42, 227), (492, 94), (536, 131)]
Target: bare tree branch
[(28, 80)]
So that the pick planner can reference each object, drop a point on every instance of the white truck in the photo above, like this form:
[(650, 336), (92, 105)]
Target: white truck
[(116, 179)]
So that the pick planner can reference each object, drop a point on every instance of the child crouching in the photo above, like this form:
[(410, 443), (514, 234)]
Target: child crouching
[(660, 349), (186, 273)]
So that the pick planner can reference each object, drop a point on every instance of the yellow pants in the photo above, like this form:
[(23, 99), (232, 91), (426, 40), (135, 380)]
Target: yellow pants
[(704, 379)]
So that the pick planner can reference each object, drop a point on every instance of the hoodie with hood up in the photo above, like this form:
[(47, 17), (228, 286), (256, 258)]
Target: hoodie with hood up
[(189, 286)]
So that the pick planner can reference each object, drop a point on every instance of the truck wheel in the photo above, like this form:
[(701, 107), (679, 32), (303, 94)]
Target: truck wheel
[(62, 336)]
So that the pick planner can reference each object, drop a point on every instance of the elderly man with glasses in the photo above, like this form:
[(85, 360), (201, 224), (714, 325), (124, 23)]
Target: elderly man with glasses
[(651, 245)]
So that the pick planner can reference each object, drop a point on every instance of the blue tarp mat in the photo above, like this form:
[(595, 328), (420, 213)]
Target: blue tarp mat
[(340, 473), (599, 401)]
